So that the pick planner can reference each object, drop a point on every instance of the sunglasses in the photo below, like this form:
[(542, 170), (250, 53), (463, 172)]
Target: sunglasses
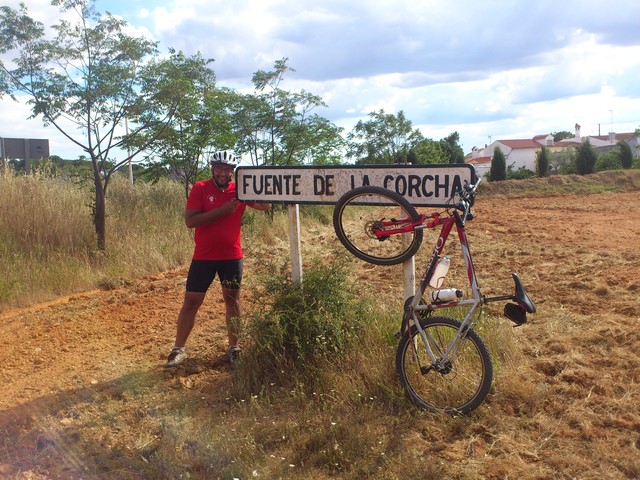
[(223, 168)]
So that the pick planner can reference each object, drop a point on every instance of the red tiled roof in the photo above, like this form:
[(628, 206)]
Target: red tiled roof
[(479, 160), (538, 140), (520, 143), (619, 136), (540, 137)]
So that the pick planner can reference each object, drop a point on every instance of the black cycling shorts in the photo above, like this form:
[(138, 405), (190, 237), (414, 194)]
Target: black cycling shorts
[(202, 273)]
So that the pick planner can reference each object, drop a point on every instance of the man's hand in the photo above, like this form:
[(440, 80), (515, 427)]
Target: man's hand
[(196, 218), (228, 208)]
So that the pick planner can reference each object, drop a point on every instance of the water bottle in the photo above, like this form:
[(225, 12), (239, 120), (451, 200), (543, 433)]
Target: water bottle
[(445, 295), (438, 275)]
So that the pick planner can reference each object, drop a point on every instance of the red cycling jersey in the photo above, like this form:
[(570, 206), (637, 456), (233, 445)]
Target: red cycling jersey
[(220, 239)]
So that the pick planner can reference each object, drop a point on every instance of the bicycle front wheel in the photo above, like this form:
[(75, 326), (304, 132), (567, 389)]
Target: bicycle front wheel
[(458, 382), (363, 209)]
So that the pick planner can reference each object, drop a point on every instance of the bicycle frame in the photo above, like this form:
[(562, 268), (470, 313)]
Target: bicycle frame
[(414, 307)]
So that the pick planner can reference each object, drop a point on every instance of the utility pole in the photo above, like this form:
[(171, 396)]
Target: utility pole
[(126, 128)]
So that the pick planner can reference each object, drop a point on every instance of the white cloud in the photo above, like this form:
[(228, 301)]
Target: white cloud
[(505, 69)]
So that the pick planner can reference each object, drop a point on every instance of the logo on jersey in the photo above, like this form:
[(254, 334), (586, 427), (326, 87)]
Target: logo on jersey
[(211, 198)]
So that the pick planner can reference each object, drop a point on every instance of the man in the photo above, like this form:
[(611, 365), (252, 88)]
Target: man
[(213, 210)]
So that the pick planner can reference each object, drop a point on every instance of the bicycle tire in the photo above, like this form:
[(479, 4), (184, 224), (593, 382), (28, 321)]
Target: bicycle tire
[(357, 209), (458, 391)]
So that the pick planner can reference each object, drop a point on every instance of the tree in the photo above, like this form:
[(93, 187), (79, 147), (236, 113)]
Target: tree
[(563, 162), (325, 143), (201, 120), (451, 149), (427, 152), (542, 162), (611, 160), (278, 127), (498, 166), (626, 155), (585, 158), (384, 138), (557, 136), (92, 75)]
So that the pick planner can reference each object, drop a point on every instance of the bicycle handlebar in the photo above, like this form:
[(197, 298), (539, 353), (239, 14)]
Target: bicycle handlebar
[(467, 199)]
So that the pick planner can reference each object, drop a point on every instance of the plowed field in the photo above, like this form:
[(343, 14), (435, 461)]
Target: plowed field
[(579, 257)]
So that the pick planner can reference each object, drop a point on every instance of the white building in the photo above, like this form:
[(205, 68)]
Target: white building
[(522, 153)]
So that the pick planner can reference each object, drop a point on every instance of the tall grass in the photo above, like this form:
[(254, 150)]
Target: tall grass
[(298, 336), (48, 242), (316, 395)]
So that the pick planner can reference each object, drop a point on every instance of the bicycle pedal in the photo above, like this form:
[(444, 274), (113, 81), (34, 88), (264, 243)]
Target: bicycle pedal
[(515, 313)]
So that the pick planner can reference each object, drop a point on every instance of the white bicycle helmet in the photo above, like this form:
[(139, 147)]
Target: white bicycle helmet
[(224, 156)]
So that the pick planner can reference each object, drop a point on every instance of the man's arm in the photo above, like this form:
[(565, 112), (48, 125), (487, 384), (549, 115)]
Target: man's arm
[(196, 218), (260, 206)]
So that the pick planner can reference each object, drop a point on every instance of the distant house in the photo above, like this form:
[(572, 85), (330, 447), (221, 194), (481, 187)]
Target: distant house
[(26, 149), (522, 153)]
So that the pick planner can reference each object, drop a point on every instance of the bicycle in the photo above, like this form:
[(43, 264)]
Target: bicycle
[(442, 362)]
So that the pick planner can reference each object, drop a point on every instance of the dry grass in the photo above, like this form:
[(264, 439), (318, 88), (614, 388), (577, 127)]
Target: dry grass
[(47, 239), (563, 406)]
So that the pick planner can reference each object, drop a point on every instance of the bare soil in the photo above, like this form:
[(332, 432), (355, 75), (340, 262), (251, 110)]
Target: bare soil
[(579, 257)]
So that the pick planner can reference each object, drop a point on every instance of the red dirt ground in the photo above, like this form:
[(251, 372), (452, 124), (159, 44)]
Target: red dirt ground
[(579, 257)]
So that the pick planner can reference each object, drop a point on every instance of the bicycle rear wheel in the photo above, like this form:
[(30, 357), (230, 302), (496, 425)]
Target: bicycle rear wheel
[(455, 386), (362, 209)]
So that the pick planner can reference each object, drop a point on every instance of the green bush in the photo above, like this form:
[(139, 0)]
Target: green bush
[(297, 329), (498, 166), (521, 173), (585, 159), (610, 160)]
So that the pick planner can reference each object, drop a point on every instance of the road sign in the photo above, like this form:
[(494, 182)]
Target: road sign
[(421, 185)]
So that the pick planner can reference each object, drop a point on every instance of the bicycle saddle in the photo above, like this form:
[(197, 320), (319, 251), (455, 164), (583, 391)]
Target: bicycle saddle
[(522, 297)]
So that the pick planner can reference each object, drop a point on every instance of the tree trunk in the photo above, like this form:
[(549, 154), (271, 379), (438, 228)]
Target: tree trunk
[(99, 216)]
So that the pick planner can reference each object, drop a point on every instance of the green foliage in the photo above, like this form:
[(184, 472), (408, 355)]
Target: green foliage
[(626, 155), (610, 160), (299, 328), (520, 174), (498, 166), (324, 143), (585, 158), (542, 162), (95, 75), (277, 127), (384, 138), (199, 123), (557, 136), (563, 162), (451, 149), (388, 138)]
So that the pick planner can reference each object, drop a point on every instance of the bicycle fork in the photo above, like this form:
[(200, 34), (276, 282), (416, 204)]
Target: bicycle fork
[(441, 361)]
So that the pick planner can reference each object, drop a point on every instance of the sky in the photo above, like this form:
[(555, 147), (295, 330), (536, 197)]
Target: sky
[(490, 70)]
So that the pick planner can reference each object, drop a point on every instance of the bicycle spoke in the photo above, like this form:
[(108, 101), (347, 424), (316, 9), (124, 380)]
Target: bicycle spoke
[(362, 212), (457, 385)]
